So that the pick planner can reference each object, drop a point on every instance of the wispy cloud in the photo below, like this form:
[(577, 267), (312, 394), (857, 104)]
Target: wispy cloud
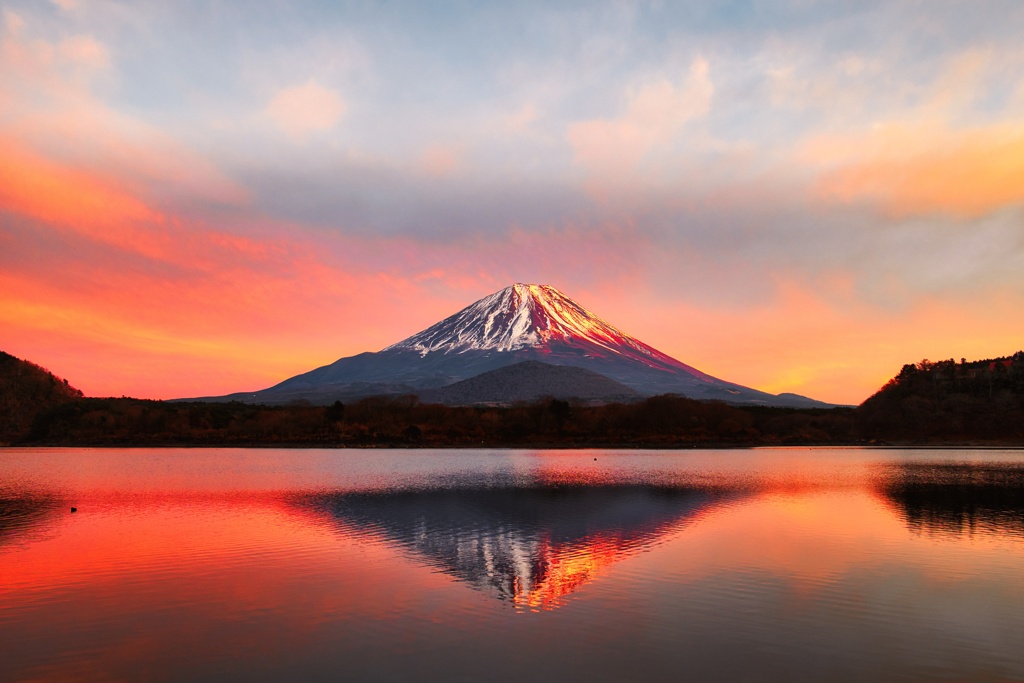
[(610, 150)]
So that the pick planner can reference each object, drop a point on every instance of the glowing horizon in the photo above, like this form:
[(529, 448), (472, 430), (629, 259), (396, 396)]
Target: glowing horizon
[(198, 201)]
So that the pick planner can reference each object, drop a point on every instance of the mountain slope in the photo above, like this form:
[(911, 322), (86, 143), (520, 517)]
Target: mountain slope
[(528, 381), (519, 323)]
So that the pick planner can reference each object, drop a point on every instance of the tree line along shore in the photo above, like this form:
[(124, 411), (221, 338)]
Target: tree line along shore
[(978, 403)]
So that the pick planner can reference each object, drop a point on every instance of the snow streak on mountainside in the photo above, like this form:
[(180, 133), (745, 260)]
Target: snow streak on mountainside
[(535, 317)]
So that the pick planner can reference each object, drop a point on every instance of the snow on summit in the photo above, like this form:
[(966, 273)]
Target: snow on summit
[(530, 316), (518, 316)]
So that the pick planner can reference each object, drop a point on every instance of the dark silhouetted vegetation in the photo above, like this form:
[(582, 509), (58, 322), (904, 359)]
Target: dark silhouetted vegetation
[(949, 401), (661, 421), (927, 404), (26, 390)]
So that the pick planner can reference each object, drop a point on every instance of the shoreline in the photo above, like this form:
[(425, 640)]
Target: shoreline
[(562, 446)]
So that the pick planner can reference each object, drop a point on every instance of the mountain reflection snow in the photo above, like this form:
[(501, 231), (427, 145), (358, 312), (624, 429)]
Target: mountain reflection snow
[(529, 546)]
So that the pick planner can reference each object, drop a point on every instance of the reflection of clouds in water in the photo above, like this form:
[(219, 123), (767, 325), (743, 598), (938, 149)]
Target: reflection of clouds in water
[(24, 514), (528, 546), (984, 499)]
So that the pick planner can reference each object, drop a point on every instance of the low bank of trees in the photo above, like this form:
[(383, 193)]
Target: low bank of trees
[(927, 403), (660, 421)]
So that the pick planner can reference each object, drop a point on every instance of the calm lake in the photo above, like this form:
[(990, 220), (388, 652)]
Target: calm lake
[(767, 564)]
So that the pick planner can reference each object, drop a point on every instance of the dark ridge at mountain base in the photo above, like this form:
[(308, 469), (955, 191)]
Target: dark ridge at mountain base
[(788, 399), (529, 381), (25, 391)]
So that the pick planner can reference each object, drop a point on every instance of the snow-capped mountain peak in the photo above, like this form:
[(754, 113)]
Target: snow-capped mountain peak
[(535, 317), (520, 323), (521, 315)]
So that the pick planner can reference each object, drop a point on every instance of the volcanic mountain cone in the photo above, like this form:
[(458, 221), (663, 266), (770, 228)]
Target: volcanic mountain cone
[(516, 324)]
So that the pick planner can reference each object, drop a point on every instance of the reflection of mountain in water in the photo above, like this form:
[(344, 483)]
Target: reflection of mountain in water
[(530, 546), (21, 513), (981, 499)]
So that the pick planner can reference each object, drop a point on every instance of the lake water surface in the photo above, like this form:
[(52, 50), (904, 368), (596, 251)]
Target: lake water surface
[(754, 565)]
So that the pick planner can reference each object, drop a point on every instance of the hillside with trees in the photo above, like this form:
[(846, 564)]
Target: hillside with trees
[(26, 390), (950, 401)]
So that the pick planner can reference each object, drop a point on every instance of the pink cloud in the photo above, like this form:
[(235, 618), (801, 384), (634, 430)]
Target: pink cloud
[(13, 22), (611, 149), (440, 160), (307, 108), (86, 51), (50, 107), (520, 120)]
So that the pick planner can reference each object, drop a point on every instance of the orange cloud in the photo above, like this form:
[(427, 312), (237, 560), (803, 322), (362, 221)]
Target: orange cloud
[(922, 162), (133, 301), (113, 332), (965, 174), (155, 291), (70, 199)]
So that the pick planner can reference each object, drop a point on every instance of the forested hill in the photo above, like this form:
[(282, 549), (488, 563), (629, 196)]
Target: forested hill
[(25, 391), (947, 401)]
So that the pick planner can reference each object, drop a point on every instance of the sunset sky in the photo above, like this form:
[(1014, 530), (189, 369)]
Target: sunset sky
[(201, 198)]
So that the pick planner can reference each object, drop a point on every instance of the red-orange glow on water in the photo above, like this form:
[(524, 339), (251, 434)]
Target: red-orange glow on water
[(201, 546), (565, 569)]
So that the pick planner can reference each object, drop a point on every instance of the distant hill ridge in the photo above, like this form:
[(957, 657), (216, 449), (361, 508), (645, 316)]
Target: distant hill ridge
[(26, 390), (529, 381)]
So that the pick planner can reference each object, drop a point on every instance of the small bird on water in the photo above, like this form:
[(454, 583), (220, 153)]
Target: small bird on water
[(74, 509)]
